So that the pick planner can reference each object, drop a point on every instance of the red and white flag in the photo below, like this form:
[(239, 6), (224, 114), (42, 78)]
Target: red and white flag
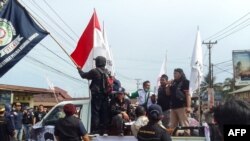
[(90, 45)]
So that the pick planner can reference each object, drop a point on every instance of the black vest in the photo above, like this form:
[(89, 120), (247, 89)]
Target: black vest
[(153, 132)]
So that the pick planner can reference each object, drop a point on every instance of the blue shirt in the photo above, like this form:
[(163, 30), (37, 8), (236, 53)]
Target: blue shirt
[(18, 119)]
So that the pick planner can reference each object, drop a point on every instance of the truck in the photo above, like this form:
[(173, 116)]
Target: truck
[(44, 130)]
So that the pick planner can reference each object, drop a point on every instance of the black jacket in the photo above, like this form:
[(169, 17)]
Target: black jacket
[(163, 98), (117, 107), (96, 78)]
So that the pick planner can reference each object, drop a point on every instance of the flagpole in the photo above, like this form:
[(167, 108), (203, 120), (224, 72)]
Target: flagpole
[(50, 35), (199, 98), (55, 95)]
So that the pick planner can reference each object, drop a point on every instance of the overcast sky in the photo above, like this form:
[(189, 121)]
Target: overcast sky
[(140, 32)]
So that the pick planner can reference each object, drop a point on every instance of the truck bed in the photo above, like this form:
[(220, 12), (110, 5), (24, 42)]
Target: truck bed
[(132, 138)]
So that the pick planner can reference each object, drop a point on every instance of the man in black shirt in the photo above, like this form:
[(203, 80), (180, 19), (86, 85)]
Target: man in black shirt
[(27, 122), (164, 99), (99, 99), (70, 128), (153, 131), (180, 100), (38, 115)]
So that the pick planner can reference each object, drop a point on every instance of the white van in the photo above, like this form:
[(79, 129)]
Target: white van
[(44, 130)]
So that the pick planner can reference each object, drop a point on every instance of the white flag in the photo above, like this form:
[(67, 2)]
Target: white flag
[(109, 56), (163, 70), (50, 84), (196, 65)]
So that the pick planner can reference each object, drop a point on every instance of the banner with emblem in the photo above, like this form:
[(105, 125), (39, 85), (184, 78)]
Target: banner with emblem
[(18, 34)]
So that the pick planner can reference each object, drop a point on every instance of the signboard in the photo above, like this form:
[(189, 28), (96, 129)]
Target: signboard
[(241, 67), (5, 97)]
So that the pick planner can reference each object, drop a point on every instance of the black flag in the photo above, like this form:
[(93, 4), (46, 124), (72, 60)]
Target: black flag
[(18, 35)]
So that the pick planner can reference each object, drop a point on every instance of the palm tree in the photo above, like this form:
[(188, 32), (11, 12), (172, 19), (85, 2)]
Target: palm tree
[(218, 87), (205, 83), (228, 86)]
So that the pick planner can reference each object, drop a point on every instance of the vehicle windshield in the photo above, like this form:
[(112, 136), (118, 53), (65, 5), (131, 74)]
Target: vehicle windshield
[(58, 113)]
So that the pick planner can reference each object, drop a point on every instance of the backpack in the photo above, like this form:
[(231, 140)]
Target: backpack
[(106, 82)]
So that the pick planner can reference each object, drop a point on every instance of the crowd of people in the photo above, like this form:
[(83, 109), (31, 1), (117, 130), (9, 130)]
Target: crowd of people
[(152, 114), (172, 98), (18, 120), (115, 108)]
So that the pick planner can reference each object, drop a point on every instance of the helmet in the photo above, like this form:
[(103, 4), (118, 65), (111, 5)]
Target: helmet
[(100, 61)]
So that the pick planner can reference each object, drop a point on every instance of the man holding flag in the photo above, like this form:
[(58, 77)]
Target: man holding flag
[(99, 99), (91, 45)]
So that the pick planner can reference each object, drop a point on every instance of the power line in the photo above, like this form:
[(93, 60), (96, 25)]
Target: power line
[(56, 55), (37, 15), (227, 26), (224, 70), (61, 19), (223, 33), (55, 70), (223, 62), (48, 16), (233, 32)]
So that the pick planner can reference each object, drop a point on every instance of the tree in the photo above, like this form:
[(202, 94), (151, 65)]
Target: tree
[(218, 87), (228, 86)]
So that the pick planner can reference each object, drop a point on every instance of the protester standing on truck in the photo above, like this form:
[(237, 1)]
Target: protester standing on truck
[(180, 100), (164, 99), (70, 128), (143, 95), (99, 98)]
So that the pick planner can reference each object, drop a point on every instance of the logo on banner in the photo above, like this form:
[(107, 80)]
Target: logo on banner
[(7, 32)]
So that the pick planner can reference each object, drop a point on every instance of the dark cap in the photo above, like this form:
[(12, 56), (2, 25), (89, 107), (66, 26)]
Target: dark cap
[(121, 90), (155, 112), (69, 109), (100, 61)]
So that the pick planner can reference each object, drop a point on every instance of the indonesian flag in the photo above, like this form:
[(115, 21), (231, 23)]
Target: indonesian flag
[(196, 65), (90, 45)]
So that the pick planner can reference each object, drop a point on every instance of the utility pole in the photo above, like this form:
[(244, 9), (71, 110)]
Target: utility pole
[(212, 75), (209, 46), (210, 90), (138, 83)]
